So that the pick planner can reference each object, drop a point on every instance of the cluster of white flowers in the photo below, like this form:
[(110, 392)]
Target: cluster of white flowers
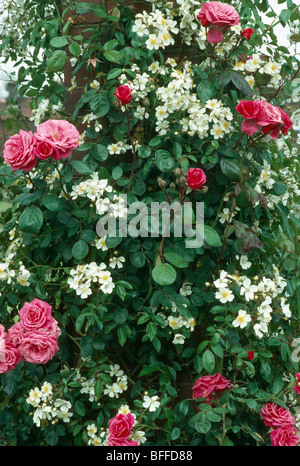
[(157, 28), (287, 177), (11, 270), (262, 293), (172, 318), (44, 107), (120, 385), (204, 119), (48, 408), (250, 66), (94, 189), (84, 277), (91, 118)]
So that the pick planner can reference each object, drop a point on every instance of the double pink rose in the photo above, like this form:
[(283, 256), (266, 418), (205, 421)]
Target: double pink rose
[(285, 436), (19, 151), (32, 339), (276, 416), (56, 138), (9, 356), (53, 139), (38, 347), (216, 15), (210, 386), (285, 433), (259, 114), (195, 178)]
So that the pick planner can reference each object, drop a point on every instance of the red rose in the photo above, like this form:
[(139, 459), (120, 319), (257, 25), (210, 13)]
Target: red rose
[(285, 436), (195, 178), (120, 426), (276, 416), (123, 94), (247, 33), (209, 386), (250, 355)]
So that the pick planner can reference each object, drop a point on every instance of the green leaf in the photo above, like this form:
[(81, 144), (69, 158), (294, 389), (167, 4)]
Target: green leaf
[(230, 168), (122, 337), (99, 104), (98, 388), (206, 91), (99, 152), (211, 236), (81, 167), (52, 203), (113, 56), (175, 259), (58, 42), (164, 161), (80, 249), (240, 83), (74, 49), (174, 433), (57, 60), (151, 330), (208, 360), (285, 15), (164, 274), (114, 73), (31, 220), (79, 408)]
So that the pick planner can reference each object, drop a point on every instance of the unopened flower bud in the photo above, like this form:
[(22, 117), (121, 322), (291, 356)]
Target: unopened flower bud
[(177, 172), (161, 183)]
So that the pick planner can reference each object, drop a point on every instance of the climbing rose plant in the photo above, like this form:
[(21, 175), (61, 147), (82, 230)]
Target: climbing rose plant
[(149, 339)]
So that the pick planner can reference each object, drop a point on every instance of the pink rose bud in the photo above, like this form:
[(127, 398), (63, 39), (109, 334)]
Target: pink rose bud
[(123, 94)]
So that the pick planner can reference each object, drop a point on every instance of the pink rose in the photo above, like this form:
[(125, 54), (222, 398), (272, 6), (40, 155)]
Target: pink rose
[(285, 436), (15, 334), (61, 135), (210, 386), (259, 113), (297, 386), (38, 347), (195, 178), (10, 358), (120, 426), (123, 94), (45, 150), (2, 331), (217, 15), (35, 315), (247, 33), (111, 442), (19, 151), (276, 416)]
